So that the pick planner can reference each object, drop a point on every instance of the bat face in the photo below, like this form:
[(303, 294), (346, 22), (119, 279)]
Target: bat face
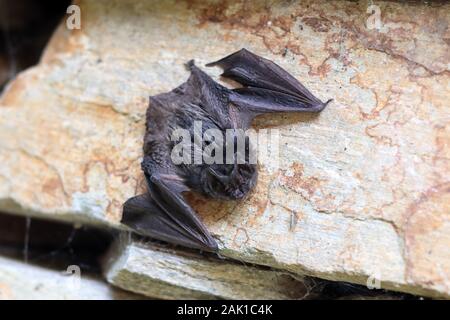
[(163, 213), (229, 182)]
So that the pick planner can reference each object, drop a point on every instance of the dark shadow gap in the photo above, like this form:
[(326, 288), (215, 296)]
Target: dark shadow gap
[(53, 245), (25, 28)]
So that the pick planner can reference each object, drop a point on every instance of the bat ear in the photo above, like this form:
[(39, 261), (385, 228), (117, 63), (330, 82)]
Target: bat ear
[(220, 177)]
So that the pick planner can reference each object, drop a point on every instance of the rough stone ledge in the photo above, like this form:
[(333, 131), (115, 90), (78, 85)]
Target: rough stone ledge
[(22, 281), (155, 271)]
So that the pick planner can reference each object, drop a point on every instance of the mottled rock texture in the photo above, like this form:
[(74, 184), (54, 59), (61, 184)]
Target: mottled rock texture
[(362, 191), (161, 273)]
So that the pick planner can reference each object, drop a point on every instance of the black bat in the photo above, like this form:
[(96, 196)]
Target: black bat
[(163, 213)]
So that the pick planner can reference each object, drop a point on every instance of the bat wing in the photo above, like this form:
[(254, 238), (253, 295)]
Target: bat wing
[(267, 86), (145, 217), (164, 214), (201, 89)]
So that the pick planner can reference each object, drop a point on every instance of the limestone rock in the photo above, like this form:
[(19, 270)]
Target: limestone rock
[(361, 193), (158, 272), (21, 281)]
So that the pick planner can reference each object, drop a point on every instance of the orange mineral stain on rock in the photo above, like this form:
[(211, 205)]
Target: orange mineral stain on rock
[(240, 237), (427, 234), (298, 182), (5, 292), (51, 185)]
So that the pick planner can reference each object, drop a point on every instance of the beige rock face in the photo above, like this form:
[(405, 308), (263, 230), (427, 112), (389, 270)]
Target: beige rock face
[(157, 272), (21, 281), (362, 191)]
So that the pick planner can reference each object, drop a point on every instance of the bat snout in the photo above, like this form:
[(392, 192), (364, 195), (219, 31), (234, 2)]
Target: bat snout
[(238, 194)]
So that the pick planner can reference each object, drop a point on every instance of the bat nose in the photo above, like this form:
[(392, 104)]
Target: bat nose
[(238, 194)]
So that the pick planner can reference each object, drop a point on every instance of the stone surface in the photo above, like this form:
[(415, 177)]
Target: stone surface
[(162, 273), (362, 191), (21, 281)]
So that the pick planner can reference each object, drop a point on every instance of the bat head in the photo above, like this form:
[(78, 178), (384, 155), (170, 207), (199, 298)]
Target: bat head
[(228, 181)]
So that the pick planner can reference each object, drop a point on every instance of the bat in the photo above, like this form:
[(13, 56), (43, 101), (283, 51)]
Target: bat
[(163, 213)]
